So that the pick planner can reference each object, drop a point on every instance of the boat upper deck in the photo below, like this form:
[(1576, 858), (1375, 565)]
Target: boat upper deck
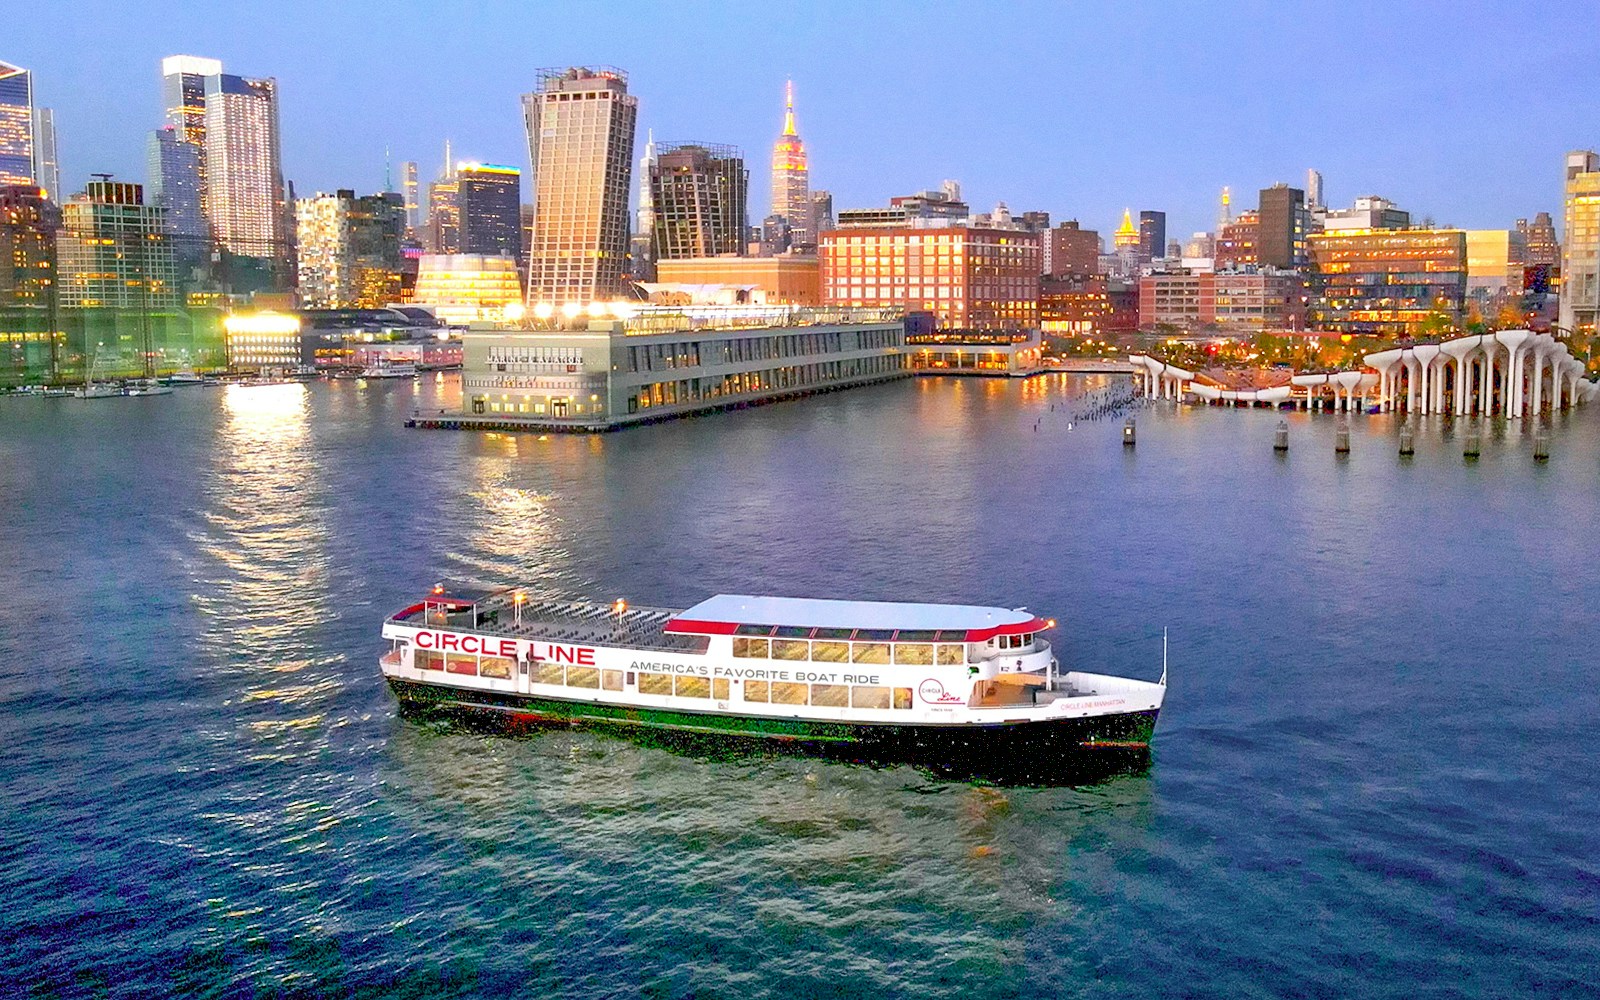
[(588, 623), (741, 614)]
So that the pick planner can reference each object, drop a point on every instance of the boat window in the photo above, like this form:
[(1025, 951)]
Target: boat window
[(870, 652), (875, 634), (902, 697), (719, 688), (693, 687), (753, 630), (611, 680), (792, 632), (655, 683), (755, 691), (869, 696), (786, 693), (583, 677), (952, 635), (950, 654), (427, 659), (830, 695), (830, 652), (790, 649), (833, 633), (457, 664), (915, 635), (495, 666), (755, 648), (548, 673), (913, 652)]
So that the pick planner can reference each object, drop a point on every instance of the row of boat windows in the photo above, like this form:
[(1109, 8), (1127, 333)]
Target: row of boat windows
[(827, 695), (830, 651), (868, 634), (678, 685)]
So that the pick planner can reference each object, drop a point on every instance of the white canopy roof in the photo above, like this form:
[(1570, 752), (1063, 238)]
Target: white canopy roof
[(741, 609)]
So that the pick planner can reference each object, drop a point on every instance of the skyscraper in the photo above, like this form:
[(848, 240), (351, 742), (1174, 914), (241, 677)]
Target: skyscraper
[(580, 125), (821, 212), (17, 164), (1314, 189), (28, 225), (183, 94), (349, 249), (444, 216), (641, 246), (1152, 236), (243, 188), (410, 191), (1284, 224), (698, 191), (791, 179), (489, 204), (1543, 250), (183, 91), (174, 186), (114, 251), (47, 161), (1580, 254)]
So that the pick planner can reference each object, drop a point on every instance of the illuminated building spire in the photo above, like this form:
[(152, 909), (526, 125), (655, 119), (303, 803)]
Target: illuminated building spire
[(1225, 213), (1127, 234), (791, 183)]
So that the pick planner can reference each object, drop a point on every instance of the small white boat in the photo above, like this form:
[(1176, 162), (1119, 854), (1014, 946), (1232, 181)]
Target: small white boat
[(186, 377), (146, 387), (97, 390), (385, 369)]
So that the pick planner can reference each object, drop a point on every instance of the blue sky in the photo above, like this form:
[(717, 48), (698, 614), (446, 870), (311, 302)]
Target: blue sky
[(1459, 111)]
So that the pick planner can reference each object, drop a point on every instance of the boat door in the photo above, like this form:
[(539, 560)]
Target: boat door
[(524, 670)]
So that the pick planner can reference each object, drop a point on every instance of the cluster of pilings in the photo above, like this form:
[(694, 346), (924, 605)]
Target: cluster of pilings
[(1471, 443)]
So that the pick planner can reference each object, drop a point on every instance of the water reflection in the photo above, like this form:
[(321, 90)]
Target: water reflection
[(264, 578)]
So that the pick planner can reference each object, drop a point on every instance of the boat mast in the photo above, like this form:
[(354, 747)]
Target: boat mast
[(1163, 656)]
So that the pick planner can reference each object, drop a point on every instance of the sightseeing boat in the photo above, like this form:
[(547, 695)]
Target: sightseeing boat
[(890, 677)]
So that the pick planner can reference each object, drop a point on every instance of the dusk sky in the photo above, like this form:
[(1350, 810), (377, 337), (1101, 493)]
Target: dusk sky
[(1458, 111)]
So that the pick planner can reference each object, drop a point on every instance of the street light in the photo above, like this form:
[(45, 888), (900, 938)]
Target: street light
[(516, 602)]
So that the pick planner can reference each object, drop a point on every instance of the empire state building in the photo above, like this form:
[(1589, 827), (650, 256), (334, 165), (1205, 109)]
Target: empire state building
[(791, 182)]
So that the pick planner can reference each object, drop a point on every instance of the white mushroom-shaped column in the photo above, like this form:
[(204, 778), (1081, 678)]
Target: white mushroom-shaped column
[(1457, 351), (1515, 342), (1425, 355), (1388, 365)]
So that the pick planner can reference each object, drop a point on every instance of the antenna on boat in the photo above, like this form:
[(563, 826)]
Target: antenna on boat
[(1163, 656)]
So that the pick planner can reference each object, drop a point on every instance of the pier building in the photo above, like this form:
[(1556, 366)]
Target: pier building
[(976, 352), (625, 364)]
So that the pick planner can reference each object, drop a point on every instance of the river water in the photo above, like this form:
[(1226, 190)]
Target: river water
[(1374, 775)]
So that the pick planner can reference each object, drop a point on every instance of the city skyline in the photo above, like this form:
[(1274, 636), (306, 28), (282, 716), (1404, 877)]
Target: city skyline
[(1207, 98)]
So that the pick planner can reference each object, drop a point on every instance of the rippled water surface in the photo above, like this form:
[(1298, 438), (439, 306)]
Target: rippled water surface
[(1375, 775)]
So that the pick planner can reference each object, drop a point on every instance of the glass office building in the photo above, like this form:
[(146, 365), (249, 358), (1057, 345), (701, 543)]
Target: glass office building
[(698, 192), (489, 209), (16, 126)]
